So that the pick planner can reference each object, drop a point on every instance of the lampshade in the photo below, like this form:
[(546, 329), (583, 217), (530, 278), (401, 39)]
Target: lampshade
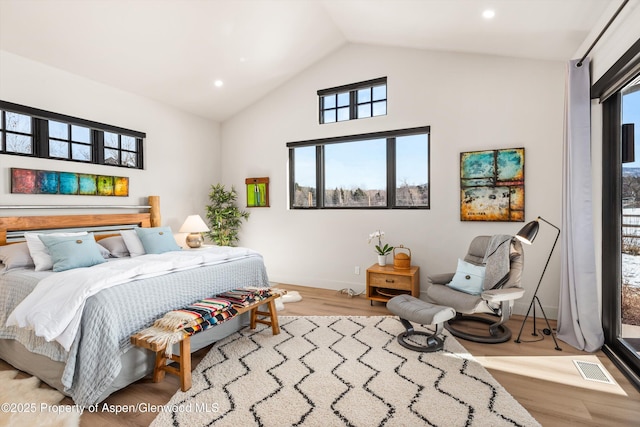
[(528, 233), (194, 224)]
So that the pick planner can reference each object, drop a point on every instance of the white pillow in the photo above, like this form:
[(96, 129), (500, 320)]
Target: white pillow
[(469, 278), (41, 258), (133, 243), (115, 246)]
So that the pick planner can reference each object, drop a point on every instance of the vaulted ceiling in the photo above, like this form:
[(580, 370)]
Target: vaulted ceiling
[(174, 51)]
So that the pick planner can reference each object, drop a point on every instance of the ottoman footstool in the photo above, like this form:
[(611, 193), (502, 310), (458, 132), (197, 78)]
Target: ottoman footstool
[(410, 309)]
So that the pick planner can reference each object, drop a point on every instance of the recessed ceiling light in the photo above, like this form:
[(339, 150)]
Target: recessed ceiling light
[(488, 14), (218, 83)]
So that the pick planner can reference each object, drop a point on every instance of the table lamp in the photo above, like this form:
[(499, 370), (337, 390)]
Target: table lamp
[(195, 226)]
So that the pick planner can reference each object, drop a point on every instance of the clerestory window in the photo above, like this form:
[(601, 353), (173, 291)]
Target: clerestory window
[(353, 101), (33, 132)]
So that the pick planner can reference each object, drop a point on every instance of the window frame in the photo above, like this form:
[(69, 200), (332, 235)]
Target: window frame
[(40, 136), (4, 131), (352, 89), (390, 137)]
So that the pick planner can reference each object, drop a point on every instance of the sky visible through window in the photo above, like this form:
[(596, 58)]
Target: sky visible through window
[(362, 164)]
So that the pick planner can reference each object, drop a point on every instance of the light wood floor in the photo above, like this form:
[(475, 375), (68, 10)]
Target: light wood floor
[(542, 379)]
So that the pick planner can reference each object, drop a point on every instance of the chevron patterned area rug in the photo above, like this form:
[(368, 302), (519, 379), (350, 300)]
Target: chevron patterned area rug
[(335, 371)]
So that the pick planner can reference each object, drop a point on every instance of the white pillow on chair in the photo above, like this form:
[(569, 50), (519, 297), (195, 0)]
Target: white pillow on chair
[(469, 278)]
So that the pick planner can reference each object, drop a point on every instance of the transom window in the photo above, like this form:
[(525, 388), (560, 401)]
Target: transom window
[(68, 141), (120, 150), (353, 101), (16, 133), (38, 133), (379, 170)]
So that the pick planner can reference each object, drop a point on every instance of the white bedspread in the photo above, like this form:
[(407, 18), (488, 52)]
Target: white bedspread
[(54, 308)]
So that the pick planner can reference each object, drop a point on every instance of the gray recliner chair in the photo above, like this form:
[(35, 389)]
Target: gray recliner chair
[(497, 301)]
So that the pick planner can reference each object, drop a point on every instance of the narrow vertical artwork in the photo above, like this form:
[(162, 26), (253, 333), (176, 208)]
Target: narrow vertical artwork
[(120, 186), (257, 192), (492, 185)]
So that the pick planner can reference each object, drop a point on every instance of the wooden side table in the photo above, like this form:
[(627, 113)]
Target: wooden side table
[(385, 282)]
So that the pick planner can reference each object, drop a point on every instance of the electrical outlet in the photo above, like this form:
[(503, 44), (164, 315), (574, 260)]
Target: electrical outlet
[(357, 270)]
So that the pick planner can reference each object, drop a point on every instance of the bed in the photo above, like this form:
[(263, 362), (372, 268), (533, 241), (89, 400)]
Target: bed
[(98, 358)]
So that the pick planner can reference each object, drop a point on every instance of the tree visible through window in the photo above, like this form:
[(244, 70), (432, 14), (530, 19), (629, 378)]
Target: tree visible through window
[(356, 171), (38, 133), (16, 133)]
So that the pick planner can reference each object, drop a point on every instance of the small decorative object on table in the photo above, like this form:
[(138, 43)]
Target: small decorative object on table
[(195, 226), (401, 260), (382, 251)]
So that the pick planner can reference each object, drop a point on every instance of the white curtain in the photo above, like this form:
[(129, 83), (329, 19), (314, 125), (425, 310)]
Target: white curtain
[(578, 314)]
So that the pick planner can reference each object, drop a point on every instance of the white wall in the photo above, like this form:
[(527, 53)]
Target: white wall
[(182, 152), (471, 102)]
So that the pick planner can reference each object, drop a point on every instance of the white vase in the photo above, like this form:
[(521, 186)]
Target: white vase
[(382, 260)]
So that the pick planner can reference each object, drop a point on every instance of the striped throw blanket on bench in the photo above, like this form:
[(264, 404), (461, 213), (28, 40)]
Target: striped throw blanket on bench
[(199, 316)]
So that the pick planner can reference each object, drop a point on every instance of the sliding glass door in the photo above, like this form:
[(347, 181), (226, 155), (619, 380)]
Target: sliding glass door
[(621, 227), (630, 287)]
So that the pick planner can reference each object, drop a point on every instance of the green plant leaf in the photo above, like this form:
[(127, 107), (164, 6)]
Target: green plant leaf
[(224, 217)]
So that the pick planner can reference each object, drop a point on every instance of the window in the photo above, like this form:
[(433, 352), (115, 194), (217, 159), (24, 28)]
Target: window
[(38, 133), (16, 133), (354, 101), (69, 142), (120, 150), (387, 170)]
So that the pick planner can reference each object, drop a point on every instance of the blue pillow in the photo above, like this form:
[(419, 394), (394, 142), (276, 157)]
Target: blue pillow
[(469, 278), (157, 240), (69, 252)]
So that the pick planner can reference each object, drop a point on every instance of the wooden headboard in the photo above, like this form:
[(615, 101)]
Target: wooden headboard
[(49, 222)]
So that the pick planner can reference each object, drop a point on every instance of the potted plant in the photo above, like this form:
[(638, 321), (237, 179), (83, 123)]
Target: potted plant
[(382, 251), (224, 217)]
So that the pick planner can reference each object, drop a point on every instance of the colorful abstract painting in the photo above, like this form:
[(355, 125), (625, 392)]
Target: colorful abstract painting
[(257, 192), (492, 185), (105, 185), (87, 185), (29, 181), (68, 183), (23, 181), (120, 186)]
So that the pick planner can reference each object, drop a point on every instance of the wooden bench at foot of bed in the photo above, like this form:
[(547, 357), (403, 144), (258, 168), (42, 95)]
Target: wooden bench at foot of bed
[(183, 371)]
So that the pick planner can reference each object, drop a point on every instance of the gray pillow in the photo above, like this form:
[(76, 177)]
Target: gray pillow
[(115, 245), (15, 256)]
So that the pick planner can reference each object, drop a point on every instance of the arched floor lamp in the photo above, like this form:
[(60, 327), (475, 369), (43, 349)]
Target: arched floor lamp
[(527, 235)]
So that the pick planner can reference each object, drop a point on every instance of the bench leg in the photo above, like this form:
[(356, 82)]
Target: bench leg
[(185, 364), (158, 369), (272, 314)]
